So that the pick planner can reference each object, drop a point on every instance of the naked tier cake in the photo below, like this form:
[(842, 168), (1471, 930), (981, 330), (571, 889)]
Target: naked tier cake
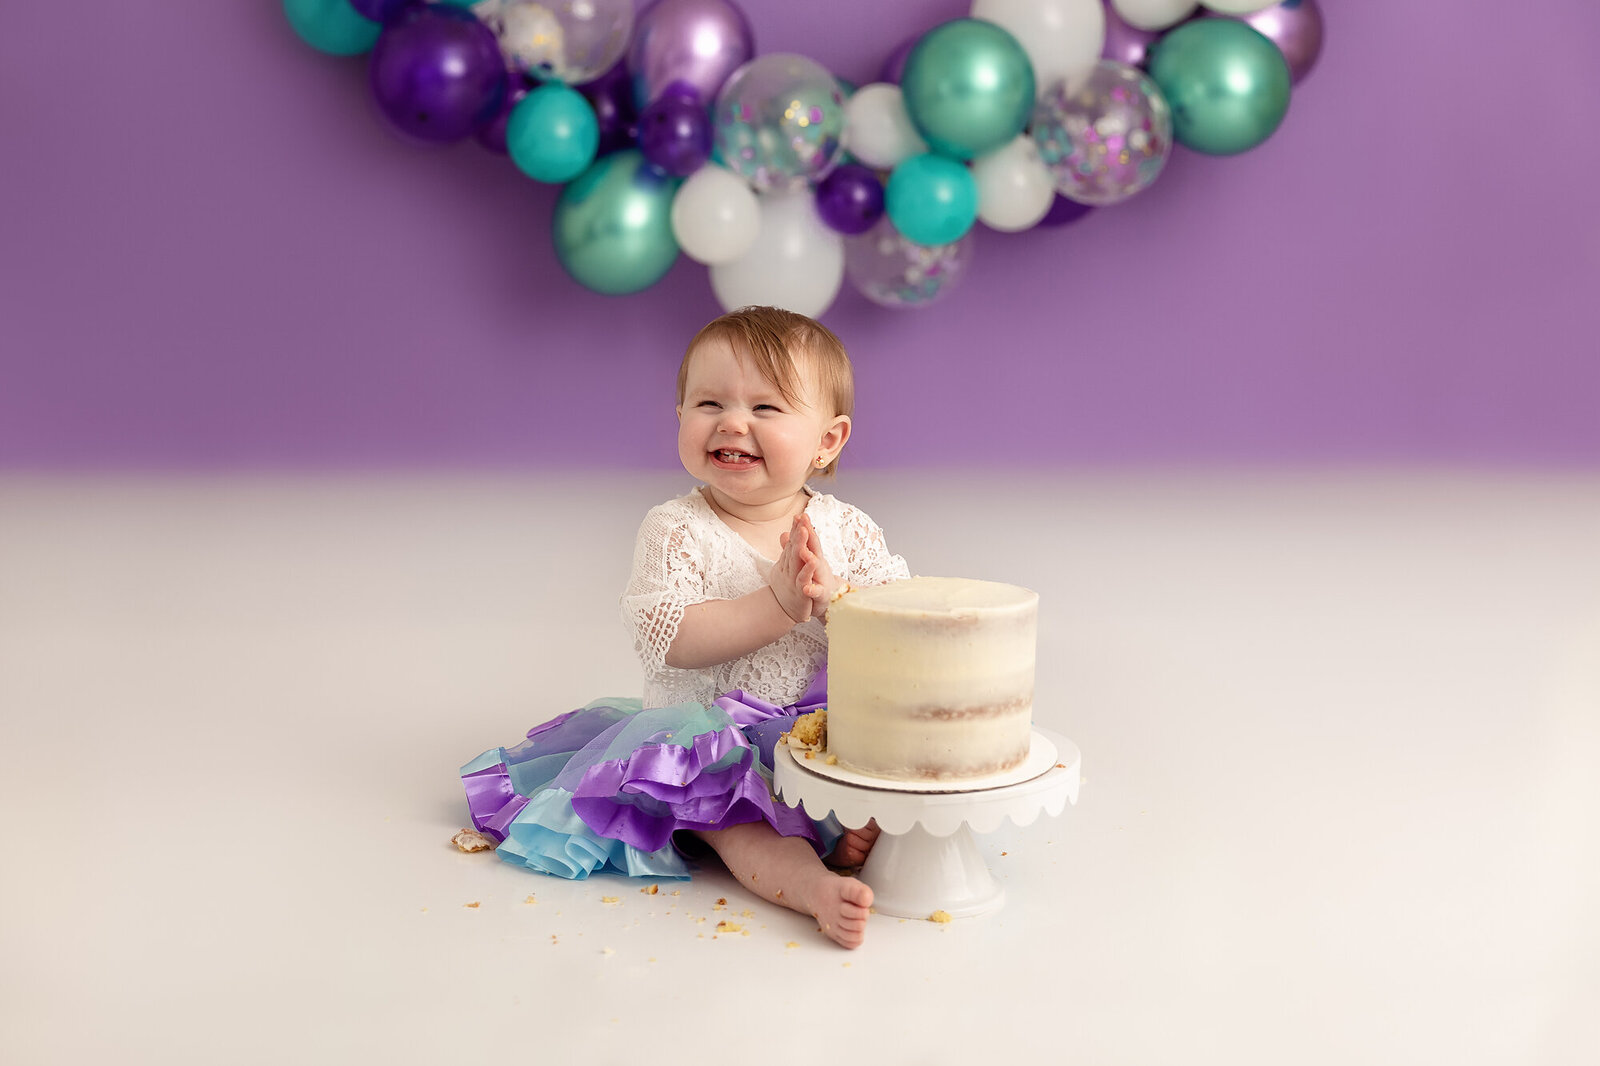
[(931, 678)]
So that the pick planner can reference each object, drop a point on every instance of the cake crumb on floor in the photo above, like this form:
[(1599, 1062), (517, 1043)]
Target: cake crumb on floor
[(940, 916), (471, 840)]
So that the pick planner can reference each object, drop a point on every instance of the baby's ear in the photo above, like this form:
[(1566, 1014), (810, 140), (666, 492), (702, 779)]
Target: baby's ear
[(837, 433)]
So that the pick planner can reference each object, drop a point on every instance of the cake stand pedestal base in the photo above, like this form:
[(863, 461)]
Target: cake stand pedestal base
[(926, 858)]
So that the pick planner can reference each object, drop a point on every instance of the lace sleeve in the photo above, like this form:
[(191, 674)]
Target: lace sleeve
[(869, 558), (668, 575)]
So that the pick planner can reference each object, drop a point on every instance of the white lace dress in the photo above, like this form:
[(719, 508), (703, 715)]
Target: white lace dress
[(685, 555)]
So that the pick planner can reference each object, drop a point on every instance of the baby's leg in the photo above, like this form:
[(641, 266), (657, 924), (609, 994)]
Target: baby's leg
[(786, 871)]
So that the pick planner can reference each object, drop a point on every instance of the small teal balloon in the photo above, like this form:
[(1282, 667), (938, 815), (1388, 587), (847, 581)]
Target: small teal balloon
[(332, 26), (613, 225), (968, 87), (1227, 83), (931, 199), (552, 134)]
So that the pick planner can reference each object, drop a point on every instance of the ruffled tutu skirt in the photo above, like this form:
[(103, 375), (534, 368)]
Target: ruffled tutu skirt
[(606, 786)]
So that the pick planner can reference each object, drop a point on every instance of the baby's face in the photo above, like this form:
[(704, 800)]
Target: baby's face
[(738, 434)]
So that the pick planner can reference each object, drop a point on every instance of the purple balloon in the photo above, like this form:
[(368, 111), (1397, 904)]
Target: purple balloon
[(1126, 43), (675, 133), (697, 42), (895, 65), (1295, 26), (380, 10), (611, 96), (437, 73), (850, 200), (493, 134), (1064, 211)]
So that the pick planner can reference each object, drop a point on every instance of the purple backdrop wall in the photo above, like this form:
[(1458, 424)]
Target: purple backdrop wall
[(212, 255)]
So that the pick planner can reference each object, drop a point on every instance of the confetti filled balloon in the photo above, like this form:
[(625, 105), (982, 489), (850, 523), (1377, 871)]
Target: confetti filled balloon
[(796, 261), (1295, 26), (693, 43), (437, 74), (613, 225), (332, 26), (1106, 139), (1062, 37), (892, 271), (1228, 85), (552, 134), (932, 199), (715, 216), (968, 87), (571, 41), (778, 121)]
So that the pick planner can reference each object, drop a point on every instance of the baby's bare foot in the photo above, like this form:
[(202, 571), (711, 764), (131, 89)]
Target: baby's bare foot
[(854, 847), (842, 905)]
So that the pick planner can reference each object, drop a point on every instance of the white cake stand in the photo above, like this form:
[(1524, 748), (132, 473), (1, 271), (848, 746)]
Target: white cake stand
[(926, 859)]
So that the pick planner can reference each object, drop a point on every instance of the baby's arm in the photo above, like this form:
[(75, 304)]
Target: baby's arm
[(717, 631)]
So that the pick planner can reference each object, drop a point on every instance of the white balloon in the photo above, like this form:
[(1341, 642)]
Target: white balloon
[(796, 262), (1063, 38), (715, 216), (1154, 14), (878, 129), (1239, 7), (1015, 188)]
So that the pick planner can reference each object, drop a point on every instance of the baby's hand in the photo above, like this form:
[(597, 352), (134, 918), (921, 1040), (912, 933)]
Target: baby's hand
[(791, 577), (824, 585)]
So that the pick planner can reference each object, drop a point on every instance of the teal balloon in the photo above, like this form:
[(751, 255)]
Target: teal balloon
[(613, 225), (931, 199), (968, 87), (332, 26), (552, 133), (1227, 83)]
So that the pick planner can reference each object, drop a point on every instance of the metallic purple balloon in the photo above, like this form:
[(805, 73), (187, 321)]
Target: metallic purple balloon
[(697, 42), (611, 96), (380, 10), (1125, 42), (895, 65), (493, 134), (1295, 26), (1064, 211), (675, 133), (850, 200), (437, 73)]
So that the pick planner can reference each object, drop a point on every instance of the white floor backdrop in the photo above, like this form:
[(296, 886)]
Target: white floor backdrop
[(1339, 804)]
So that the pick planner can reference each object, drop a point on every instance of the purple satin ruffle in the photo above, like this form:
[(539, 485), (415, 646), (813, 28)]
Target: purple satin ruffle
[(492, 800), (663, 788)]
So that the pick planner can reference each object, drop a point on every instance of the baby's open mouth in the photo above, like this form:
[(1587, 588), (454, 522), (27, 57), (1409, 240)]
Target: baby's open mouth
[(735, 457)]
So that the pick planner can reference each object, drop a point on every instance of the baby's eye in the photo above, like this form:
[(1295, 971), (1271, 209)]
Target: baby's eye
[(708, 403), (766, 407)]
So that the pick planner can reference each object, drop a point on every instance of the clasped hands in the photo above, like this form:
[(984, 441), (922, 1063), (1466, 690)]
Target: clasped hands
[(801, 578)]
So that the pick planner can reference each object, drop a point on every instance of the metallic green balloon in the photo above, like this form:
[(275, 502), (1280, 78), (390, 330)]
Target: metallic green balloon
[(968, 86), (613, 225), (1228, 84)]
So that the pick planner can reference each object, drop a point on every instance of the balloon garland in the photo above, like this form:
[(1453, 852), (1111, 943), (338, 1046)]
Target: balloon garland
[(670, 135)]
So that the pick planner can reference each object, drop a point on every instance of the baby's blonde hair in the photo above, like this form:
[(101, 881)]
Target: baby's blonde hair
[(775, 341)]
